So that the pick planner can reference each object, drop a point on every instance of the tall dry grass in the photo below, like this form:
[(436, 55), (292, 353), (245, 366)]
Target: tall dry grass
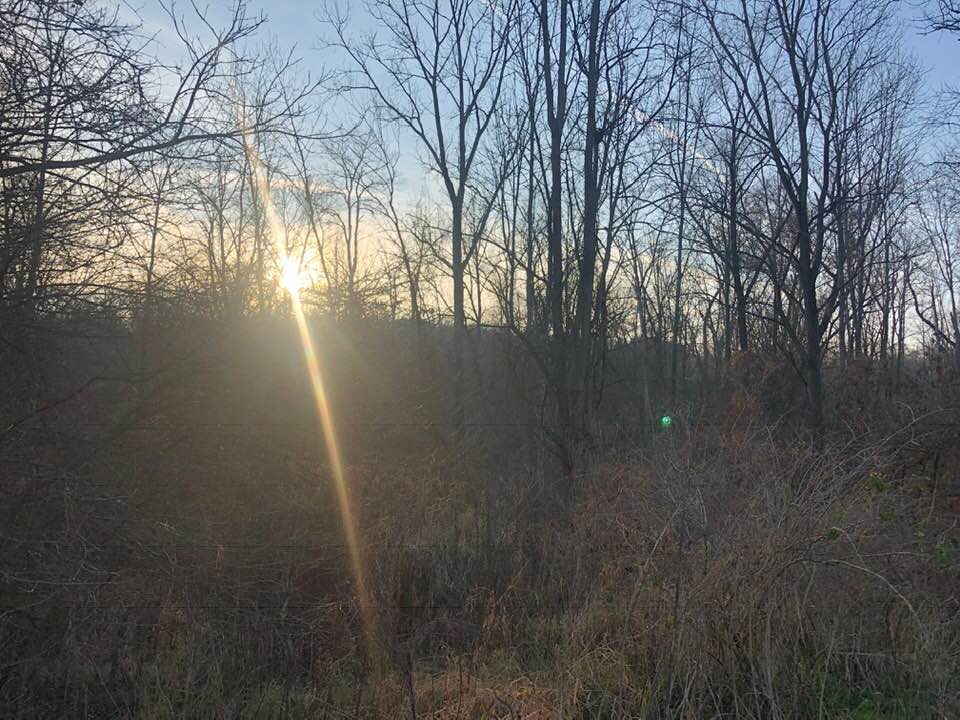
[(728, 568)]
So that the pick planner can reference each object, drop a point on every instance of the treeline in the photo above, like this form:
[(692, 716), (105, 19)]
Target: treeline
[(706, 177)]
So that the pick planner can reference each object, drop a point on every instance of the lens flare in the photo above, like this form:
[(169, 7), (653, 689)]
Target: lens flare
[(293, 280), (347, 516)]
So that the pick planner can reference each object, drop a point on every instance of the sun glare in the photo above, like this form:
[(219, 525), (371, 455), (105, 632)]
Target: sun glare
[(292, 279)]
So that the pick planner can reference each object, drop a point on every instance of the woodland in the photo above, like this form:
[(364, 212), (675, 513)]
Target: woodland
[(482, 359)]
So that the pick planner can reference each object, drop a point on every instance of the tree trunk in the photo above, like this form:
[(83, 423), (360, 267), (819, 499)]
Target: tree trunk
[(530, 278), (459, 317), (591, 199), (811, 356)]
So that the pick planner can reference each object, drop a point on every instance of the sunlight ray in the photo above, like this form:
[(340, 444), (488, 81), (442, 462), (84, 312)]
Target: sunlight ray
[(293, 280)]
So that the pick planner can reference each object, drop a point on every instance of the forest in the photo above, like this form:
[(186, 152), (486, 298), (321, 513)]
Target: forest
[(463, 359)]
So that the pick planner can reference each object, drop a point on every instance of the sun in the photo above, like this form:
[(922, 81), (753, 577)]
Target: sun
[(292, 279)]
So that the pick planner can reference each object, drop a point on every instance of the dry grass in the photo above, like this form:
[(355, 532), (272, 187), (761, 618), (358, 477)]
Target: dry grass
[(728, 568)]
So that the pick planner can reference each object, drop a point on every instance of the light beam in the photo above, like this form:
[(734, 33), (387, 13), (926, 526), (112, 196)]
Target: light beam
[(293, 280)]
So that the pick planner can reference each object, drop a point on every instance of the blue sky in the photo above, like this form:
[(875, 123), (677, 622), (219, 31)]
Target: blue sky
[(295, 22), (938, 53)]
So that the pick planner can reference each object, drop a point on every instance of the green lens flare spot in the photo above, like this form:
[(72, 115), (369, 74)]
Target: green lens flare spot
[(666, 421)]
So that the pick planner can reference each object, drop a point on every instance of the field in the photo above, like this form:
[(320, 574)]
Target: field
[(173, 547)]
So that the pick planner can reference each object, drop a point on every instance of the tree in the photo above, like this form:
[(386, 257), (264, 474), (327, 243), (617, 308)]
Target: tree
[(401, 230), (945, 16), (439, 73), (937, 301), (795, 64), (79, 75)]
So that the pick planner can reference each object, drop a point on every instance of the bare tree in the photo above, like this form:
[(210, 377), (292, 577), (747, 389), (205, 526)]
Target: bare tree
[(101, 60), (793, 63), (411, 251), (936, 299), (944, 16), (440, 74)]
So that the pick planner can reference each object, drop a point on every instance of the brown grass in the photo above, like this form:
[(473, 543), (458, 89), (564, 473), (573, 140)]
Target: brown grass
[(729, 568)]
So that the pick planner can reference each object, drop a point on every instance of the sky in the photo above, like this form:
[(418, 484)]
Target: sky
[(296, 25), (938, 53), (294, 21)]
